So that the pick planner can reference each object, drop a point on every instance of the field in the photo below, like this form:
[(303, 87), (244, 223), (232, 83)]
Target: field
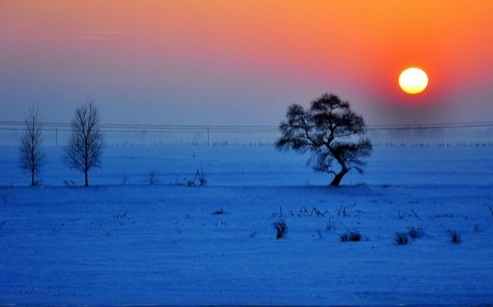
[(146, 233)]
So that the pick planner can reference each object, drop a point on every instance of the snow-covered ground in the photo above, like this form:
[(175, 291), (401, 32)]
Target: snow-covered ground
[(125, 241)]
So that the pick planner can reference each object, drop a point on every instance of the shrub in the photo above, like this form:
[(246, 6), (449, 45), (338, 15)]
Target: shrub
[(281, 229), (351, 236), (218, 212), (414, 233), (401, 238), (153, 180), (342, 212), (198, 179), (455, 236), (69, 183), (330, 226)]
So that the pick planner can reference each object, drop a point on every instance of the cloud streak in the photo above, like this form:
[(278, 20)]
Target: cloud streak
[(28, 35)]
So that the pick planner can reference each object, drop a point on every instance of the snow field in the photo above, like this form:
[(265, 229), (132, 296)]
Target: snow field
[(131, 242)]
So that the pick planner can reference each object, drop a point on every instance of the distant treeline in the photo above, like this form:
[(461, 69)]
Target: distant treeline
[(270, 144), (434, 144)]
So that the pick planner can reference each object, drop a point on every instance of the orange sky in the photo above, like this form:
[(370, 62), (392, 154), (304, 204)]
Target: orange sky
[(246, 61)]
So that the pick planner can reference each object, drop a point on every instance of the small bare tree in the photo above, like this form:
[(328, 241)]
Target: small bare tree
[(32, 157), (85, 147), (331, 131)]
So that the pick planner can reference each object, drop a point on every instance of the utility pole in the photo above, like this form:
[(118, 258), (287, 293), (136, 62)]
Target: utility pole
[(56, 136), (208, 137)]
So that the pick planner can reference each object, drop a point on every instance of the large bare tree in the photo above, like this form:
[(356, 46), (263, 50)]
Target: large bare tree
[(330, 130), (85, 147), (31, 155)]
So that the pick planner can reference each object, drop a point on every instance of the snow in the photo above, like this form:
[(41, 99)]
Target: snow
[(123, 241)]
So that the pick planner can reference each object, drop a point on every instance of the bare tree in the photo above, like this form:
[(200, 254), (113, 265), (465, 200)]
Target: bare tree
[(31, 155), (331, 131), (85, 147)]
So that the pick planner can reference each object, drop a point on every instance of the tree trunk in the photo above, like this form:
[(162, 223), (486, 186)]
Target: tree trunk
[(337, 179), (33, 166), (86, 160)]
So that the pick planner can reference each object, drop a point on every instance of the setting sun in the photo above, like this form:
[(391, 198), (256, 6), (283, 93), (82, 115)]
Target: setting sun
[(413, 80)]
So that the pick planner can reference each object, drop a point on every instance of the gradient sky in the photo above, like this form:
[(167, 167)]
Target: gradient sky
[(228, 62)]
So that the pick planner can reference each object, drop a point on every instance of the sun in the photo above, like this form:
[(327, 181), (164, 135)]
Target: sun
[(413, 80)]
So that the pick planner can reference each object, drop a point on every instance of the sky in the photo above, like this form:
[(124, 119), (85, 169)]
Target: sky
[(232, 62)]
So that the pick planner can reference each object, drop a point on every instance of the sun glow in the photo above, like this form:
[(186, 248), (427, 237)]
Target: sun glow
[(413, 80)]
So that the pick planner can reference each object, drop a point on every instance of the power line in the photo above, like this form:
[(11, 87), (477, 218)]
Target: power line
[(432, 126), (148, 128), (152, 128)]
